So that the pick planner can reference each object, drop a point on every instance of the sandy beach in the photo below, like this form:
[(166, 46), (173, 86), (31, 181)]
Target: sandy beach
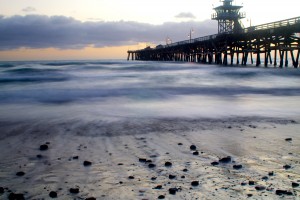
[(232, 158)]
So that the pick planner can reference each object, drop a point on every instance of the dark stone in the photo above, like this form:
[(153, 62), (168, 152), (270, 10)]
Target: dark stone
[(195, 183), (237, 167), (172, 176), (43, 147), (225, 159), (130, 177), (265, 178), (53, 194), (214, 163), (260, 187), (288, 139), (173, 191), (20, 173), (87, 163), (168, 164), (1, 190), (75, 157), (39, 156), (271, 174), (159, 187), (161, 197), (74, 190), (283, 192), (142, 160), (251, 182), (243, 184), (13, 196), (179, 144), (153, 178), (286, 167), (295, 184), (151, 165), (91, 198), (249, 195), (196, 153), (193, 147), (185, 170), (182, 176)]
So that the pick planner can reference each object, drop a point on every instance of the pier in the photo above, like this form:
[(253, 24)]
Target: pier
[(276, 43)]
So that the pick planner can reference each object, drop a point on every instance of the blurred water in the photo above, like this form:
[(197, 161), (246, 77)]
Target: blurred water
[(120, 89)]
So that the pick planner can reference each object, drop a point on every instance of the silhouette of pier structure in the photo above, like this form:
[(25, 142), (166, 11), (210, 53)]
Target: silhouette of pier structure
[(233, 44)]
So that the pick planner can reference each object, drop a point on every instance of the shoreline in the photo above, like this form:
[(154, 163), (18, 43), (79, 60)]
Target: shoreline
[(120, 153)]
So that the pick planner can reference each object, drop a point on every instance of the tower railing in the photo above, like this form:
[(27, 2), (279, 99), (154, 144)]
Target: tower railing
[(216, 16)]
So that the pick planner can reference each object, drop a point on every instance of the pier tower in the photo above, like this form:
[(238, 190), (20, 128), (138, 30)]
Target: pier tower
[(228, 17)]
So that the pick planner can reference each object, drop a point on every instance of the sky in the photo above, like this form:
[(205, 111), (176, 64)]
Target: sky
[(106, 29)]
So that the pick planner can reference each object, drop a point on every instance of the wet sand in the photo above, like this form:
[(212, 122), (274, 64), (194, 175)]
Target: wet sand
[(163, 158)]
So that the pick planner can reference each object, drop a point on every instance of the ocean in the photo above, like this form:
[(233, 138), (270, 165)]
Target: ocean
[(117, 89), (141, 130)]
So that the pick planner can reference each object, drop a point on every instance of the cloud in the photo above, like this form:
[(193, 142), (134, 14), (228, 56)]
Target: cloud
[(40, 31), (186, 15), (29, 9)]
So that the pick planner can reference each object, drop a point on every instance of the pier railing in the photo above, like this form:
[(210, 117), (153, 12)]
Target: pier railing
[(278, 24), (273, 25)]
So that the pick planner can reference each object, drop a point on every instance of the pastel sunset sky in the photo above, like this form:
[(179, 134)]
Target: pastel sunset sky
[(106, 29)]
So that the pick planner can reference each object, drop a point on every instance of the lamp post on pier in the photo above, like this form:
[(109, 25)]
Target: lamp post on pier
[(168, 40), (190, 35)]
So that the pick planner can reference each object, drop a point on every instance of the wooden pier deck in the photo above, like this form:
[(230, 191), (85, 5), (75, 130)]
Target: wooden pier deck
[(274, 43)]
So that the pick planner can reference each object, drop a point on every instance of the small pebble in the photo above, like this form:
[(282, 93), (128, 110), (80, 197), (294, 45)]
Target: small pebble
[(237, 167), (143, 160), (151, 165), (91, 198), (195, 183), (13, 196), (179, 144), (159, 187), (1, 190), (53, 194), (172, 176), (271, 174), (39, 156), (74, 190), (43, 147), (295, 184), (214, 163), (193, 147), (283, 192), (260, 187), (225, 160), (87, 163), (20, 173), (286, 167), (161, 197), (288, 139), (75, 157), (173, 191), (196, 153), (130, 177), (251, 182), (168, 164)]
